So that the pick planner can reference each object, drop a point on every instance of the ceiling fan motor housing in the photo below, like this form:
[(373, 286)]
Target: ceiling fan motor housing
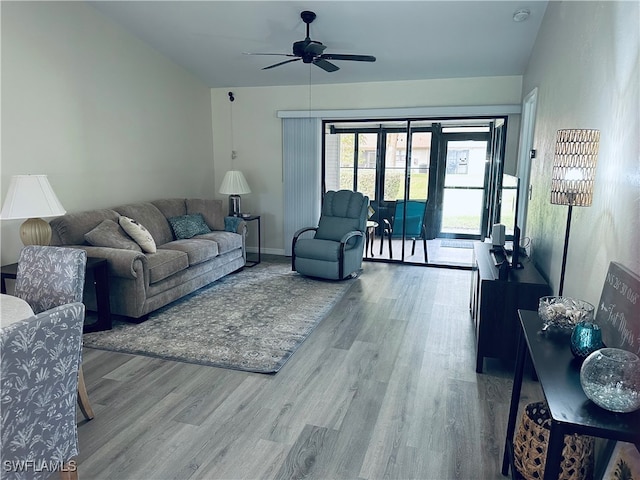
[(299, 47)]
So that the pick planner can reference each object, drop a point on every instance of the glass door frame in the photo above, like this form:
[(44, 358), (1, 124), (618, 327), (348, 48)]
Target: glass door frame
[(441, 186), (437, 164)]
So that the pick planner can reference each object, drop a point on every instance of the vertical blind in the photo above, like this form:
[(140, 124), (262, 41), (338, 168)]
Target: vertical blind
[(301, 139)]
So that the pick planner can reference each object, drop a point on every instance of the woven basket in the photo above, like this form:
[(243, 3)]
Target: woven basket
[(530, 448)]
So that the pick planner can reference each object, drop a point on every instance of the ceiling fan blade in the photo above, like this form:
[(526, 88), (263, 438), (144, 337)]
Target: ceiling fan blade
[(356, 58), (281, 63), (277, 54), (326, 66)]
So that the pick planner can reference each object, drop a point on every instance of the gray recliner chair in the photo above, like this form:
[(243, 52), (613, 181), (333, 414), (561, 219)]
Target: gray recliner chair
[(336, 249)]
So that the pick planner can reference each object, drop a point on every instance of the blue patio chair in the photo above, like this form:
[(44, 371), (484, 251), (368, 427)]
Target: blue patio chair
[(414, 225)]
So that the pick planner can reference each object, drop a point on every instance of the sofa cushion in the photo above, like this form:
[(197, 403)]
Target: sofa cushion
[(187, 226), (147, 214), (197, 250), (165, 263), (139, 233), (110, 234), (226, 241), (69, 229), (211, 210), (171, 207)]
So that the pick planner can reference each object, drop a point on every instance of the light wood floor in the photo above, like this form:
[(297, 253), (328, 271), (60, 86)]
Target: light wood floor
[(385, 387)]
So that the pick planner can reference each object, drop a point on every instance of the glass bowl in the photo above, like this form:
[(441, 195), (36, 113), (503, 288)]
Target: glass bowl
[(564, 313), (610, 377)]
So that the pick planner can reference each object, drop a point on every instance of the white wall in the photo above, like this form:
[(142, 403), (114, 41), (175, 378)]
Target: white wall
[(105, 116), (586, 66), (112, 121), (258, 134)]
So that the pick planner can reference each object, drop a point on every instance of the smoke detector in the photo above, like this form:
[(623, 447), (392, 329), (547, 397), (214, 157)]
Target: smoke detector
[(521, 15)]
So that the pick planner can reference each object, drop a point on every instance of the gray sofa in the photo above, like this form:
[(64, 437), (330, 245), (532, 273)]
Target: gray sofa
[(139, 281)]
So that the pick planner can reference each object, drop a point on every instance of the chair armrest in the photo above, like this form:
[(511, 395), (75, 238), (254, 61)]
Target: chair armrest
[(302, 230), (293, 243), (348, 235)]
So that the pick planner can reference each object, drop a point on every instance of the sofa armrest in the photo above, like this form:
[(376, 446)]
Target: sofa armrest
[(122, 263)]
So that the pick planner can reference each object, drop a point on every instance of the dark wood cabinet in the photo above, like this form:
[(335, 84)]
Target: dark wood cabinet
[(494, 303)]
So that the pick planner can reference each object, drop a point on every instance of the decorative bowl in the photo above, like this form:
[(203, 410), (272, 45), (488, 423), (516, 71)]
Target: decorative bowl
[(610, 377), (564, 313)]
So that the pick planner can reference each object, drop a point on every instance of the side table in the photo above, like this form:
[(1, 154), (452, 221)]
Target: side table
[(96, 266), (570, 410), (253, 263)]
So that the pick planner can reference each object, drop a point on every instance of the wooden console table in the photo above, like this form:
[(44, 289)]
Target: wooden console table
[(96, 266), (494, 303), (571, 411)]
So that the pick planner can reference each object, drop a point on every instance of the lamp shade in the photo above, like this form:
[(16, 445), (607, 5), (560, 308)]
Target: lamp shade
[(30, 196), (574, 167), (234, 183)]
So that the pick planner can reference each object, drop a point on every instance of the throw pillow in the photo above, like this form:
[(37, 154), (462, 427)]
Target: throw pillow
[(109, 234), (187, 226), (231, 224), (140, 234)]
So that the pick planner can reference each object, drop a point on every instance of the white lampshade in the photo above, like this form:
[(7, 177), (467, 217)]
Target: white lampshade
[(234, 183), (30, 196)]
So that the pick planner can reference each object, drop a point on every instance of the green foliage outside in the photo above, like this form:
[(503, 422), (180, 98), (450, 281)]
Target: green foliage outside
[(394, 183)]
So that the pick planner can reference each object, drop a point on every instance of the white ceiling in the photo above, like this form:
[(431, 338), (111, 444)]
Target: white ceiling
[(419, 39)]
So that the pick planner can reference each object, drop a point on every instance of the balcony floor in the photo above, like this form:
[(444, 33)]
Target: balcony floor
[(440, 251)]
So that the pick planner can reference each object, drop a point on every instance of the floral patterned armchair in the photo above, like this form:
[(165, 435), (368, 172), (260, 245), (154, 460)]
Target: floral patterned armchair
[(48, 277), (40, 357)]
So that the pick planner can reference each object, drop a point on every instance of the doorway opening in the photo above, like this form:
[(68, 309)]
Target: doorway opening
[(434, 185)]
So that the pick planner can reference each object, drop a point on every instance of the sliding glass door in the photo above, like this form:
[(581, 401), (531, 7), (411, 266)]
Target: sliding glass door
[(426, 180)]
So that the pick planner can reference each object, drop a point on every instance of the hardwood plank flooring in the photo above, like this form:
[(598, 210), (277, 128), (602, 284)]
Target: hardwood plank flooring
[(385, 387)]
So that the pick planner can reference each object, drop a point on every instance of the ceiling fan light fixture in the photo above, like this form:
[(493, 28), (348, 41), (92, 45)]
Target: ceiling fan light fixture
[(521, 15)]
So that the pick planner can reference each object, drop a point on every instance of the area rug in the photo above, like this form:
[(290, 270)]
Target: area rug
[(451, 243), (252, 320)]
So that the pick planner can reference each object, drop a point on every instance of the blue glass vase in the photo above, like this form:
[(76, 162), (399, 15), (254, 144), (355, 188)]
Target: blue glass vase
[(586, 338)]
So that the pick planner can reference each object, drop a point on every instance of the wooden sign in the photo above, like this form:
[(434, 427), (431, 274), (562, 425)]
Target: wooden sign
[(618, 313)]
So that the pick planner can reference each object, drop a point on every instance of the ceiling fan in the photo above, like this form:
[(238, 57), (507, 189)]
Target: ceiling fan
[(310, 51)]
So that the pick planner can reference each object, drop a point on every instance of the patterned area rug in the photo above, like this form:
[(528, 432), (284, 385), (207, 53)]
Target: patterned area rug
[(253, 320)]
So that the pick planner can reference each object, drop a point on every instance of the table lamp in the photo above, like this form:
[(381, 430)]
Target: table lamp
[(31, 197), (234, 185), (573, 176)]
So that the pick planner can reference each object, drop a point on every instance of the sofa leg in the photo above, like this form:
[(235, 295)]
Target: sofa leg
[(127, 319)]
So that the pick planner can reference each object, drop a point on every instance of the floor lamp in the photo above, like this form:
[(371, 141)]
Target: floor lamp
[(573, 176)]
